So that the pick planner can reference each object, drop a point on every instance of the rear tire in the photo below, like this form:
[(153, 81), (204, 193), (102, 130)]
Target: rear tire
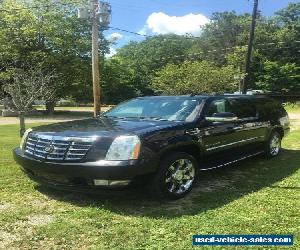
[(273, 145), (175, 177)]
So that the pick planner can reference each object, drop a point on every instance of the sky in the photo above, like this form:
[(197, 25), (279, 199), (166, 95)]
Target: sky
[(180, 17)]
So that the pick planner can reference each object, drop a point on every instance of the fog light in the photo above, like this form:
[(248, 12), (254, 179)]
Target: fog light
[(111, 182), (101, 182)]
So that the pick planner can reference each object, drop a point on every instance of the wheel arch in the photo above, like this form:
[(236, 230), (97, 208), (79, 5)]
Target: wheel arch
[(192, 149), (279, 130)]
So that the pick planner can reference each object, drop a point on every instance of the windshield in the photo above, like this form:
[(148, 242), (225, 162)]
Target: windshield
[(171, 109)]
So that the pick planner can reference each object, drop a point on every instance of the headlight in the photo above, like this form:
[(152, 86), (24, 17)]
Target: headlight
[(124, 148), (24, 138)]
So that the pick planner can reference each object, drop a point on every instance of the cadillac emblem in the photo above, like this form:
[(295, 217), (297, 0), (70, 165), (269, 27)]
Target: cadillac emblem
[(49, 148)]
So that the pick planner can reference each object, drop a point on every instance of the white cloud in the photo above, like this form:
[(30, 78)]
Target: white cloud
[(161, 23), (112, 52), (114, 37)]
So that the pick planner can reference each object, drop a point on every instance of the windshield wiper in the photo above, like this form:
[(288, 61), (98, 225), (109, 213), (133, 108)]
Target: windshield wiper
[(145, 118), (112, 116), (137, 117), (153, 118)]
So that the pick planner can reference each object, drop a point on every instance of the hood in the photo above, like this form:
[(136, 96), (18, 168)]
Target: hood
[(104, 127)]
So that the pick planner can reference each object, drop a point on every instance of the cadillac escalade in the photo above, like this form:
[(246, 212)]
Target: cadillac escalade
[(162, 141)]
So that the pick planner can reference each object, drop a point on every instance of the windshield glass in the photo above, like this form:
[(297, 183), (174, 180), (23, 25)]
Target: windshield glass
[(171, 109)]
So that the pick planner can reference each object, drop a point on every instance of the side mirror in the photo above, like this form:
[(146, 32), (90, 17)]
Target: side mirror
[(222, 117)]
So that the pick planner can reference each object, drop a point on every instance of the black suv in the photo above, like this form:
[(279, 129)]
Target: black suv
[(163, 141)]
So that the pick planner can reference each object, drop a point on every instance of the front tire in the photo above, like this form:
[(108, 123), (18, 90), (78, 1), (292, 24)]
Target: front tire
[(175, 177), (273, 145)]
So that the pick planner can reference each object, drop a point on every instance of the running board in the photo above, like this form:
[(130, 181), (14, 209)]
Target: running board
[(231, 162)]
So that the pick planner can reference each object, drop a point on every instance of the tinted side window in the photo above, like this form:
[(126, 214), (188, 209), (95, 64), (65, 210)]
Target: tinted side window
[(269, 109), (218, 106), (243, 108)]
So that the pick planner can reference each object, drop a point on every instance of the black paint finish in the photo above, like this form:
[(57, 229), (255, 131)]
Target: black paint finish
[(211, 143)]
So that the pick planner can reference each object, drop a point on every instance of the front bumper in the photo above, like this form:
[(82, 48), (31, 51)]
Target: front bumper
[(84, 175)]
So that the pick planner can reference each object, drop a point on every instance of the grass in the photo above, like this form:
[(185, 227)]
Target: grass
[(256, 196), (293, 108)]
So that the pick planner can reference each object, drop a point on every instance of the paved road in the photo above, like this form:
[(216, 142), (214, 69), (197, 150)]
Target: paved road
[(14, 120)]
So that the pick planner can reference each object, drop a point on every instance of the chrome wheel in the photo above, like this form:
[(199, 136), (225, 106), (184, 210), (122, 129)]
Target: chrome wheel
[(180, 176), (275, 144)]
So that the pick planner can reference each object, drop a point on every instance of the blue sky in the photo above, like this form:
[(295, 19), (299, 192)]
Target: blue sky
[(164, 16)]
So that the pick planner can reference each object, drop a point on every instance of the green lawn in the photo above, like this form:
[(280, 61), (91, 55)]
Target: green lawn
[(257, 196), (293, 108)]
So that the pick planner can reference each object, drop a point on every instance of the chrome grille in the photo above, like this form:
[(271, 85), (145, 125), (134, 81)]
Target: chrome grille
[(57, 148)]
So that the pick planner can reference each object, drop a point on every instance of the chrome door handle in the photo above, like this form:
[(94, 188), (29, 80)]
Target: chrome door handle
[(237, 128)]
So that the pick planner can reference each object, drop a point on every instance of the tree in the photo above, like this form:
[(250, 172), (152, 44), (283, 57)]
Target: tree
[(27, 85), (50, 34), (225, 30), (278, 77), (150, 55), (194, 77), (289, 15), (117, 82), (222, 42), (53, 35)]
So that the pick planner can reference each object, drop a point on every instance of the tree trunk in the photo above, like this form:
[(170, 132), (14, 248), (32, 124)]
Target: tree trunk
[(22, 123), (50, 108)]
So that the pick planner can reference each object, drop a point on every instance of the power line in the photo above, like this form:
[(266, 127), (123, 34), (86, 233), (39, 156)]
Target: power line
[(140, 34), (190, 37), (202, 53), (144, 35), (130, 32), (196, 37)]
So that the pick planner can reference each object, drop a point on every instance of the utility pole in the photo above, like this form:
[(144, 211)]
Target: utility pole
[(95, 58), (245, 83), (99, 13)]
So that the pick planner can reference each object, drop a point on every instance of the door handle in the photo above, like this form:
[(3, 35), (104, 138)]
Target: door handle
[(238, 127), (235, 128)]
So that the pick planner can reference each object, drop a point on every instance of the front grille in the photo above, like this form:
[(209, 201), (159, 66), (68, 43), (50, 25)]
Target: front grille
[(57, 148)]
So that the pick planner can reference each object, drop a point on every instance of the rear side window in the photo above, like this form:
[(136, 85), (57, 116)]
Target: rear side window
[(269, 109), (218, 106), (243, 108)]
